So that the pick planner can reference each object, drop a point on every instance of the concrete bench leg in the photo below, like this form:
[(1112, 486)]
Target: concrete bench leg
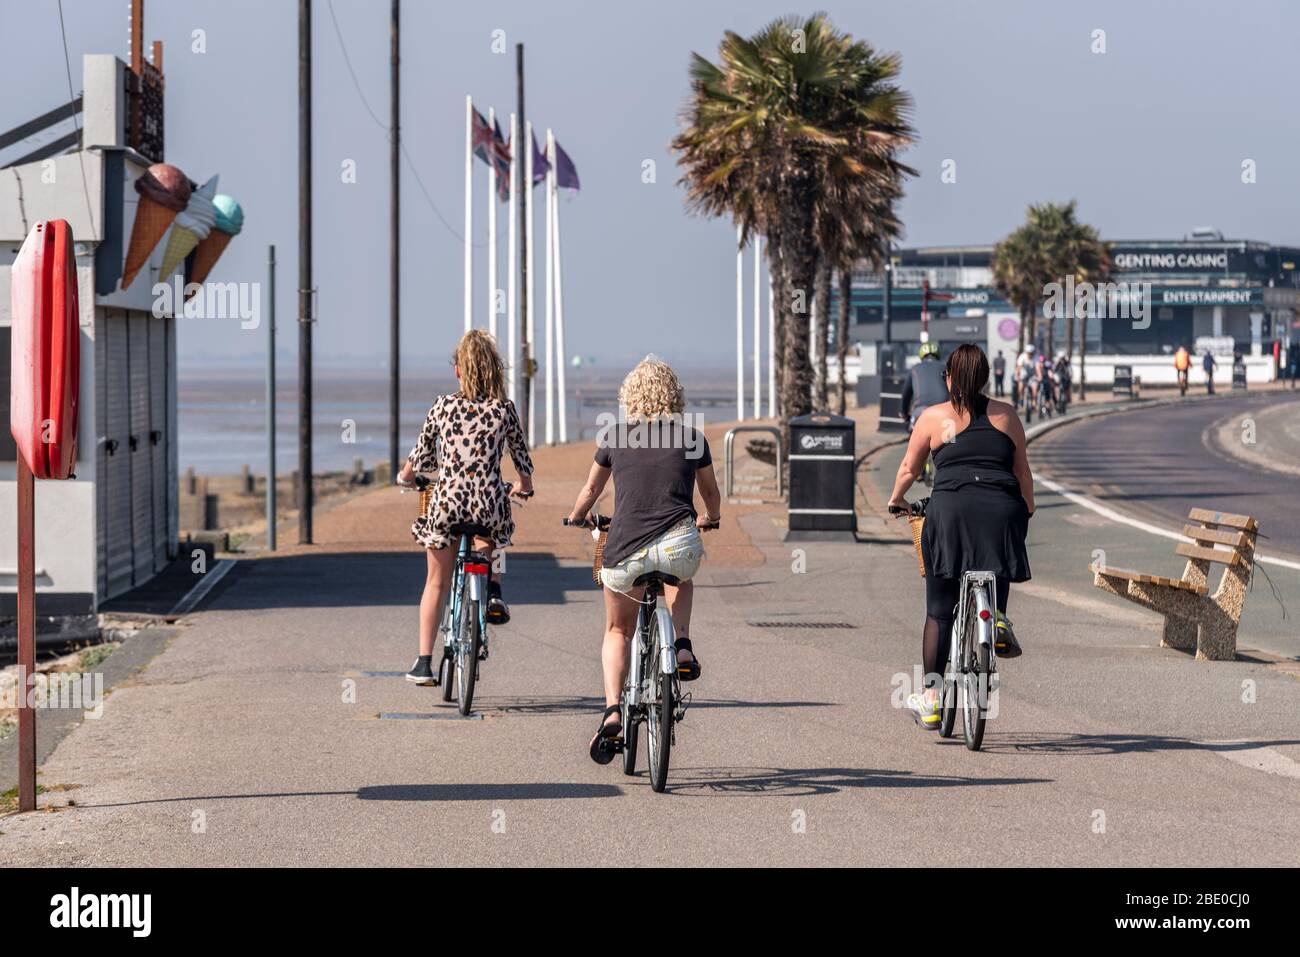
[(1178, 633), (1218, 638)]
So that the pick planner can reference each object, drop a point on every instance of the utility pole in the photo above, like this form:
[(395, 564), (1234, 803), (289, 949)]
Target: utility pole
[(305, 317), (525, 189), (394, 286)]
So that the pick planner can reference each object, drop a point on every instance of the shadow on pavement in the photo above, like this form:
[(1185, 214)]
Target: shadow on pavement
[(584, 704), (792, 782), (371, 579), (485, 792), (1097, 744)]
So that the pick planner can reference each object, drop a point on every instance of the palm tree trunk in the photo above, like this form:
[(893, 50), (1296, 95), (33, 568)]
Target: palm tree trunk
[(1024, 318), (842, 330), (799, 270), (821, 334)]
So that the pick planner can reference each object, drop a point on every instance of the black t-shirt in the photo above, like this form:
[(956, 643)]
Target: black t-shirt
[(654, 467)]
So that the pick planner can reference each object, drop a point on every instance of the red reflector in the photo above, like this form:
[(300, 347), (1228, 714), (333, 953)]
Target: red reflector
[(475, 569), (984, 615)]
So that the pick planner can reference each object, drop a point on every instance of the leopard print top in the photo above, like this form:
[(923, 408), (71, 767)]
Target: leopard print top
[(464, 440)]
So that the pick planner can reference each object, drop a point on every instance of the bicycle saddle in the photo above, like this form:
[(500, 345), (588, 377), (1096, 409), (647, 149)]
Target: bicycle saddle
[(472, 529), (662, 578)]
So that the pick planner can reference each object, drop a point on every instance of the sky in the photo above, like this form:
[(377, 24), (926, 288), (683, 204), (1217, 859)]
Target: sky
[(1149, 136)]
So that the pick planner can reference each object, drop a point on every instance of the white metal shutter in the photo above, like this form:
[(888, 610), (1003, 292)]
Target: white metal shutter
[(116, 474), (158, 438), (101, 455), (141, 460)]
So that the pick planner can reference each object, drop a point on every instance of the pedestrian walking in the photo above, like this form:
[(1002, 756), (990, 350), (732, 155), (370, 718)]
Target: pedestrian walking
[(999, 375), (1293, 361), (1209, 365)]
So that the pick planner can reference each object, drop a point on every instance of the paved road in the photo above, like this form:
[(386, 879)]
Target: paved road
[(254, 738), (1168, 459)]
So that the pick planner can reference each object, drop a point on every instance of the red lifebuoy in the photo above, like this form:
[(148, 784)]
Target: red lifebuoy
[(46, 351)]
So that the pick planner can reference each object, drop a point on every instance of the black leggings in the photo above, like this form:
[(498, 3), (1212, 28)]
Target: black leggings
[(941, 596)]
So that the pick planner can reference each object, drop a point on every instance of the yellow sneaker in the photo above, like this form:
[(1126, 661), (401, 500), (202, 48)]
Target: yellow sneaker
[(924, 712)]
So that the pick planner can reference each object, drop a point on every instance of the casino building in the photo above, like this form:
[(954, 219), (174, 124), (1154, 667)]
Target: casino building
[(1206, 292)]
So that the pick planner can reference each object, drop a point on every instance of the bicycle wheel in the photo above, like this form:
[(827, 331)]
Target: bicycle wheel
[(447, 676), (976, 679), (659, 708), (948, 694), (467, 653), (630, 731)]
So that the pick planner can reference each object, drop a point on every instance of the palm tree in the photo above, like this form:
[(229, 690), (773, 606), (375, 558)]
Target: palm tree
[(762, 131), (1050, 246)]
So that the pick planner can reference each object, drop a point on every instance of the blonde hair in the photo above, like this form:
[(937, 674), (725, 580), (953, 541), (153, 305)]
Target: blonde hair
[(651, 391), (481, 375)]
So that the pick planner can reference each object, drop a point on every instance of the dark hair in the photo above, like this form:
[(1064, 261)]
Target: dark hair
[(968, 374)]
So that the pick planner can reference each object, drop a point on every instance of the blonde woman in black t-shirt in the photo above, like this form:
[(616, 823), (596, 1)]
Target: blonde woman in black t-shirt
[(657, 462)]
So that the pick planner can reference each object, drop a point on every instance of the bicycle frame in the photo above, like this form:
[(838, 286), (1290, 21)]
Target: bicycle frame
[(477, 592), (649, 611)]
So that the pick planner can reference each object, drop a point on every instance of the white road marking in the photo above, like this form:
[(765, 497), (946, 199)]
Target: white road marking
[(202, 587), (1268, 760), (1085, 502)]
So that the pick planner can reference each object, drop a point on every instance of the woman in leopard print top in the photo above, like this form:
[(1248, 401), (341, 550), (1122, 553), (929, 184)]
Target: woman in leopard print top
[(464, 437)]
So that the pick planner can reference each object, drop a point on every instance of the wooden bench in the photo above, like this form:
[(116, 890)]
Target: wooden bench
[(1194, 618)]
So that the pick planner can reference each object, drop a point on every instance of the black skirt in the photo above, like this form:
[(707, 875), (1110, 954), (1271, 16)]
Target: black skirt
[(976, 527)]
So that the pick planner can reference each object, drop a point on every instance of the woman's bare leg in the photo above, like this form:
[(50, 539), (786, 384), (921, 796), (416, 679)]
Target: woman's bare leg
[(436, 586), (620, 623), (680, 598)]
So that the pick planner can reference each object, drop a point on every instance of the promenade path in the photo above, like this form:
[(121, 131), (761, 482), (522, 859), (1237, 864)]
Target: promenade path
[(255, 736)]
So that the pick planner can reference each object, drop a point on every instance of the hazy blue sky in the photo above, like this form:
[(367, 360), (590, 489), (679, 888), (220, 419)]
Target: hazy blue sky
[(1149, 137)]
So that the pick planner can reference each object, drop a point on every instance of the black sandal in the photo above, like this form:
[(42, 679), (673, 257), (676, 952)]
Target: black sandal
[(601, 750), (688, 671)]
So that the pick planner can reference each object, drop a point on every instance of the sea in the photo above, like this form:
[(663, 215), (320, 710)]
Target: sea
[(222, 413)]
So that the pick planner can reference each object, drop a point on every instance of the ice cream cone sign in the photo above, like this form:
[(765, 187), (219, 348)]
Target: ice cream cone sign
[(229, 221), (164, 191), (191, 227)]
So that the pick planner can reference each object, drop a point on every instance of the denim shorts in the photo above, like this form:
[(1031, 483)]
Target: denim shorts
[(678, 552)]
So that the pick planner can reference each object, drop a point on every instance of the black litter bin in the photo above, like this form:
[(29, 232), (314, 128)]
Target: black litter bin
[(1239, 377), (1123, 386), (821, 476)]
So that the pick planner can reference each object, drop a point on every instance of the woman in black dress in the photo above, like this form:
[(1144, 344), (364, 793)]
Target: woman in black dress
[(978, 513)]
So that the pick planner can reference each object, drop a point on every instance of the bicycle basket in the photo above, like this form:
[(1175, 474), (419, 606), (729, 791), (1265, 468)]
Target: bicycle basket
[(917, 523), (426, 497)]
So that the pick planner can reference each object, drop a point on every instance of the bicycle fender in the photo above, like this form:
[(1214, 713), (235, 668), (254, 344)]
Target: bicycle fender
[(476, 588), (667, 642)]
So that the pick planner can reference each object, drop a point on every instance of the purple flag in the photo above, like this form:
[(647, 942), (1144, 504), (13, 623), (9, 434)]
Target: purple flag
[(566, 174), (540, 166)]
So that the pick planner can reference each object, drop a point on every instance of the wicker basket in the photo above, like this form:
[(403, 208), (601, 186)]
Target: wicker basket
[(426, 496), (599, 561), (917, 522)]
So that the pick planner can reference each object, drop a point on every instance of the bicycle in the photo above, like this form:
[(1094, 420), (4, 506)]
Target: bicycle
[(651, 692), (971, 668), (464, 620)]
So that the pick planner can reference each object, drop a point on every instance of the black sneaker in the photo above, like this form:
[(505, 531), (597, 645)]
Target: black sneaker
[(498, 612), (422, 673)]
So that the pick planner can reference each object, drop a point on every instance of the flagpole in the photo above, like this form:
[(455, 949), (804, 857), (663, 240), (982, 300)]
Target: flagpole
[(512, 255), (550, 290), (771, 346), (530, 326), (469, 213), (758, 329), (740, 325), (559, 303), (492, 227)]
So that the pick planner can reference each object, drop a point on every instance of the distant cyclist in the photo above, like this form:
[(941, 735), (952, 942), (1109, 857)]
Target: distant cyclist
[(1182, 363), (925, 385), (1064, 380), (978, 515), (1024, 374), (464, 437)]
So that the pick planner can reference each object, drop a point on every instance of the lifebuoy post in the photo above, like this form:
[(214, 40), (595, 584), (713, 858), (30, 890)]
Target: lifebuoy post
[(44, 382)]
